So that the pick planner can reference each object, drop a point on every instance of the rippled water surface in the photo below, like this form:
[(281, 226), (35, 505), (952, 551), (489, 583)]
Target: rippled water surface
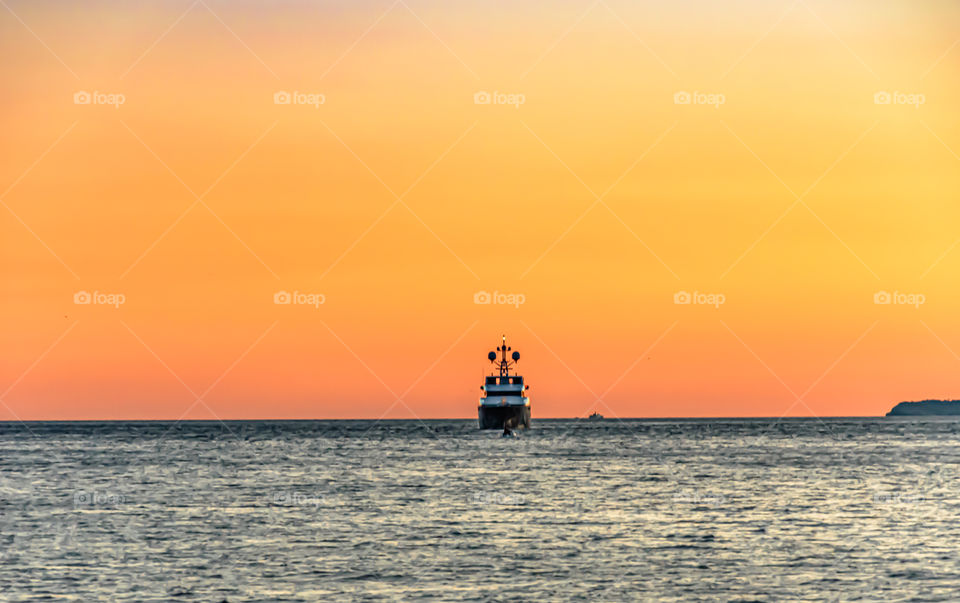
[(839, 509)]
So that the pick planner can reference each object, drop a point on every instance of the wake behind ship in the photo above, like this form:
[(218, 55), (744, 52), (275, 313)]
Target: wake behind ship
[(504, 405)]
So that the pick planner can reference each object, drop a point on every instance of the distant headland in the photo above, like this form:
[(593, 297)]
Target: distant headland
[(925, 408)]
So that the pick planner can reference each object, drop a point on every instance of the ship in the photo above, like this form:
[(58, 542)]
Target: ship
[(504, 404), (595, 416)]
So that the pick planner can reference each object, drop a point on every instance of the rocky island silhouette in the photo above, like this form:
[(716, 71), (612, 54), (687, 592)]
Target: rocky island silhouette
[(925, 408)]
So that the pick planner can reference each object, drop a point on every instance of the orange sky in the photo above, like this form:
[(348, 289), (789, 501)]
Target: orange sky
[(798, 198)]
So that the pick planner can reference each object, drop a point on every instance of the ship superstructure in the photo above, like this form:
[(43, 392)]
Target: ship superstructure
[(504, 404)]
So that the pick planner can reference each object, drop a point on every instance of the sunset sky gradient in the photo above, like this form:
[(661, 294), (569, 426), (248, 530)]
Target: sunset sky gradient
[(598, 199)]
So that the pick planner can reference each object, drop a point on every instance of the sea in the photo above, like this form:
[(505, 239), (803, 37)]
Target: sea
[(839, 509)]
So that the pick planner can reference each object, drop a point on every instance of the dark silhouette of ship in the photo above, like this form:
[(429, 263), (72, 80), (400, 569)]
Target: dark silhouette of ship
[(504, 405)]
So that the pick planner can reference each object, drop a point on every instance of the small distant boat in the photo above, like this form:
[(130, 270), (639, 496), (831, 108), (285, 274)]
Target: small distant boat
[(595, 416)]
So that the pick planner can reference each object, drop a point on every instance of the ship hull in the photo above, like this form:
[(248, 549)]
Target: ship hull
[(500, 417)]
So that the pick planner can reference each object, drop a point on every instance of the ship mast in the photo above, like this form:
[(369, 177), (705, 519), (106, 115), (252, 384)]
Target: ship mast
[(504, 364)]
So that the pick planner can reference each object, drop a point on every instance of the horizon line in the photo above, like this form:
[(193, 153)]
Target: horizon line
[(608, 419)]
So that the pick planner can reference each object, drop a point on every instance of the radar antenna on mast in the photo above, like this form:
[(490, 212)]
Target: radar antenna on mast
[(504, 365)]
